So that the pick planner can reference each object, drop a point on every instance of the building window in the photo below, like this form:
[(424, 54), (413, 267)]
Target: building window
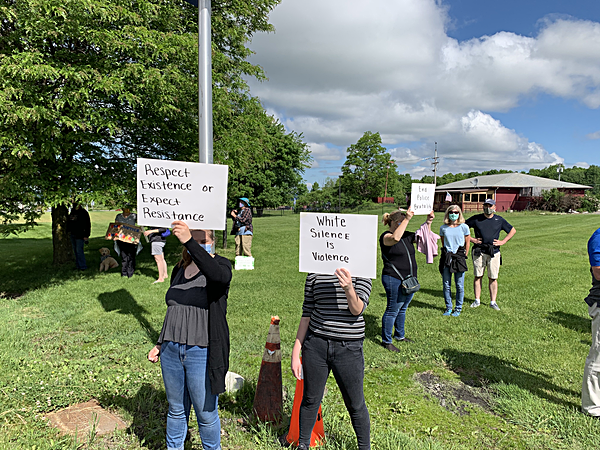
[(475, 197)]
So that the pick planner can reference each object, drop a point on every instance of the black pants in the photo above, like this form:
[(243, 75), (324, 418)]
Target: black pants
[(345, 358), (128, 252)]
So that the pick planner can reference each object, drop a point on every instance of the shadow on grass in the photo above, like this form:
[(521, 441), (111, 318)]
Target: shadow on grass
[(148, 409), (372, 327), (575, 323), (26, 264), (476, 369), (122, 302), (435, 293)]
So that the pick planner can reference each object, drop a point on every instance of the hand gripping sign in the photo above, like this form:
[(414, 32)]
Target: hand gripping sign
[(331, 241), (174, 190)]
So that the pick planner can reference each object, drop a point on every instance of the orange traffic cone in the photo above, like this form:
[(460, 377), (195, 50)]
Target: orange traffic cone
[(268, 400), (317, 436)]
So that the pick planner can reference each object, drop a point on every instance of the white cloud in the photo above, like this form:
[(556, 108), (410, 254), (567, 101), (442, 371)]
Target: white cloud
[(581, 164), (338, 69), (593, 136)]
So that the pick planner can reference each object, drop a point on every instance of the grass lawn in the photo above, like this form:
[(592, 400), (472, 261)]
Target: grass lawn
[(487, 379)]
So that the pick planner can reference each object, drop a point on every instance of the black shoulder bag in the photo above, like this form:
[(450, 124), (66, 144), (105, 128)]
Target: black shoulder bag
[(410, 284)]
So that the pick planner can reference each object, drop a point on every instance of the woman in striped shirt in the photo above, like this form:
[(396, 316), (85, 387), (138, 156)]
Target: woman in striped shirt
[(330, 335)]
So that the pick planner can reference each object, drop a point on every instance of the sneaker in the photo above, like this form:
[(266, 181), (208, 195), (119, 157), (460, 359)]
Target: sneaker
[(391, 347), (456, 313), (475, 304), (447, 312), (495, 306), (405, 339)]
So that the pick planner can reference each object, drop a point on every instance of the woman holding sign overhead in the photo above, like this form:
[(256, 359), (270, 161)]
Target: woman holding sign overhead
[(330, 336), (399, 275), (193, 344)]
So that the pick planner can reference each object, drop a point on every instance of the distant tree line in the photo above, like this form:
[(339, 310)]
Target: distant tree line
[(369, 172)]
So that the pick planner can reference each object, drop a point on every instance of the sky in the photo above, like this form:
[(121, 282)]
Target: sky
[(498, 85)]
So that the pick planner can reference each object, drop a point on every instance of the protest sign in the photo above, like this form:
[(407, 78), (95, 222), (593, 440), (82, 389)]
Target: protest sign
[(331, 241), (421, 198), (123, 232), (174, 190)]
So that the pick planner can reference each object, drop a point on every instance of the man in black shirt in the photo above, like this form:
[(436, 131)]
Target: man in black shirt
[(79, 227), (486, 251)]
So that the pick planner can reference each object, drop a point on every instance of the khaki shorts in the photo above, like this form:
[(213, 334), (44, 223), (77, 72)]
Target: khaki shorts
[(483, 261)]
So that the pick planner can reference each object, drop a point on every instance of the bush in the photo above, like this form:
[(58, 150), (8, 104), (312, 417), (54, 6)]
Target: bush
[(589, 203), (554, 200)]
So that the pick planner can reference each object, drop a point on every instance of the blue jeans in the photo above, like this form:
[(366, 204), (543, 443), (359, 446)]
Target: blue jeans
[(459, 282), (346, 360), (185, 374), (395, 312), (77, 244)]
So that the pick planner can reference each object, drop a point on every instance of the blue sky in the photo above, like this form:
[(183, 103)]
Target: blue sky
[(511, 84)]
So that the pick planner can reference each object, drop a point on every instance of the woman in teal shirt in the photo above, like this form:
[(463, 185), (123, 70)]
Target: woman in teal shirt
[(455, 248)]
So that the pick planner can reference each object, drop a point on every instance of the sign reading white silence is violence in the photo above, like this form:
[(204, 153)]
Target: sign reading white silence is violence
[(174, 190), (421, 198), (331, 241)]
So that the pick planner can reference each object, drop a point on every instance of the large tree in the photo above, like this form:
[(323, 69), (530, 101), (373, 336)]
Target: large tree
[(86, 86), (364, 171)]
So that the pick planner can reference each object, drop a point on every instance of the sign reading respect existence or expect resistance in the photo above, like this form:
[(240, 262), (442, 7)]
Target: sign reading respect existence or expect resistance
[(421, 198), (174, 190), (331, 241)]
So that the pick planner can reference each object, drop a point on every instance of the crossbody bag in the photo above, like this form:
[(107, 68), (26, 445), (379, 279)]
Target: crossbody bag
[(410, 284)]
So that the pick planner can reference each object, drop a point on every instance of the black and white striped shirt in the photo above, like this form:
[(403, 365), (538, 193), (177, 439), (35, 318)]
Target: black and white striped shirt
[(326, 304)]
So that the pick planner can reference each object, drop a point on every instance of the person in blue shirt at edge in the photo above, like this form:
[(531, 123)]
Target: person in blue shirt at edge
[(486, 251), (455, 248), (590, 392), (242, 227)]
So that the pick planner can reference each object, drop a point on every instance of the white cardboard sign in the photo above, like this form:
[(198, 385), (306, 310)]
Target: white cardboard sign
[(331, 241), (421, 198), (175, 190)]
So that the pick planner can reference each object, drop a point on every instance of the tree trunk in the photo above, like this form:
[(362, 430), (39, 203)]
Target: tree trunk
[(61, 243)]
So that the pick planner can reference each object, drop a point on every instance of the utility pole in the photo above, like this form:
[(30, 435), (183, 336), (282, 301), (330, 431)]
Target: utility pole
[(435, 164), (386, 179), (205, 123)]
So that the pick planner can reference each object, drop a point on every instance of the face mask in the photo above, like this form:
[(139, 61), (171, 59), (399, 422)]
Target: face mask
[(453, 216), (488, 210), (241, 205), (207, 247)]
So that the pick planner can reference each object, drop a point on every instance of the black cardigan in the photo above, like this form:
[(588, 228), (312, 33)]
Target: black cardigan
[(217, 271)]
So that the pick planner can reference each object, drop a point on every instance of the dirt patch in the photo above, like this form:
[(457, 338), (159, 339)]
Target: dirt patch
[(85, 419), (455, 396)]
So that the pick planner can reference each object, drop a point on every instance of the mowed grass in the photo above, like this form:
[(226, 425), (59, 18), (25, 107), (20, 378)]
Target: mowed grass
[(501, 380)]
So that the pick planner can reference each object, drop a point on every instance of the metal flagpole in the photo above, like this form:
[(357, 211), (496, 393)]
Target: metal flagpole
[(205, 128)]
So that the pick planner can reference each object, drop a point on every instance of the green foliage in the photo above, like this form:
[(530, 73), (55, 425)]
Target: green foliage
[(327, 198), (88, 86), (578, 175), (364, 171), (557, 201), (590, 203)]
